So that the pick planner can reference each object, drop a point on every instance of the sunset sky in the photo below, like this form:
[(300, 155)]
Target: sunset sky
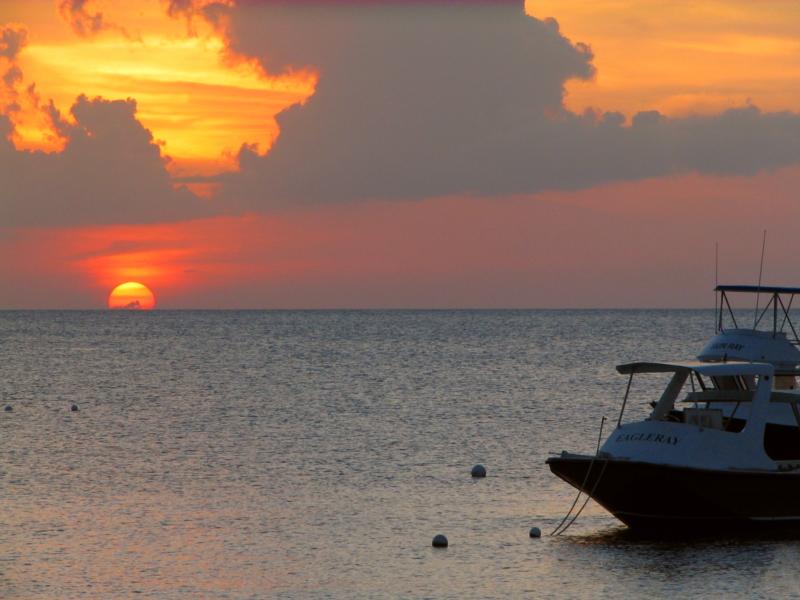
[(388, 153)]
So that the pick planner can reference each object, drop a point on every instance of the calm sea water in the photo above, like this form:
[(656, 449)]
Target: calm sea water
[(315, 455)]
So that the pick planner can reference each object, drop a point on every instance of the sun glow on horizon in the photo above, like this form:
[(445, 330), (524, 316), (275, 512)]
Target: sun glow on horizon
[(131, 295)]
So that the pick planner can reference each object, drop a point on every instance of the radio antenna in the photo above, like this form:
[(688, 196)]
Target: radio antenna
[(716, 281), (760, 273)]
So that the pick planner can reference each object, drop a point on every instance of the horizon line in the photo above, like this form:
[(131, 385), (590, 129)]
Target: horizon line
[(368, 309)]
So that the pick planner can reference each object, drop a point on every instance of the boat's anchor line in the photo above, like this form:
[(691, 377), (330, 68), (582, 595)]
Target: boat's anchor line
[(558, 531)]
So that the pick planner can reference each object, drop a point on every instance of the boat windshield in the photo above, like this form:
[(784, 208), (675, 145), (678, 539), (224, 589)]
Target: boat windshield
[(786, 382), (705, 393)]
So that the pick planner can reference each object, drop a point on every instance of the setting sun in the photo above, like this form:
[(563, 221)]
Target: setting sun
[(131, 296)]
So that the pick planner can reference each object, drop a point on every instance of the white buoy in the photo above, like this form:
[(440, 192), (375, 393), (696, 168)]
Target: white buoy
[(535, 532), (479, 471), (9, 408), (440, 541), (74, 408)]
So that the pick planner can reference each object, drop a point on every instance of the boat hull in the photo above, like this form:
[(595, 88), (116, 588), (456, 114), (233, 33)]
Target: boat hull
[(647, 496)]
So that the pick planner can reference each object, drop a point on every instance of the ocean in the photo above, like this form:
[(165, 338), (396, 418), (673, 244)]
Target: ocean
[(315, 454)]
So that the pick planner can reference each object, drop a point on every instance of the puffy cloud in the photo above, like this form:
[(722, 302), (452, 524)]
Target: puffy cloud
[(465, 97), (110, 171), (415, 99)]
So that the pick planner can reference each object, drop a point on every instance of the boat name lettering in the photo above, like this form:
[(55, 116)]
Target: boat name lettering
[(657, 438), (727, 346)]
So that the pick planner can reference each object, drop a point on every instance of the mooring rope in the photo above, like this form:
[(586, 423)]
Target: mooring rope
[(585, 502), (583, 486)]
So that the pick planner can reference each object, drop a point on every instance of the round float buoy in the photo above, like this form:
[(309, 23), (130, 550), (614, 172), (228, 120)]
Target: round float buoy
[(74, 408), (440, 541), (479, 471), (535, 532), (9, 408)]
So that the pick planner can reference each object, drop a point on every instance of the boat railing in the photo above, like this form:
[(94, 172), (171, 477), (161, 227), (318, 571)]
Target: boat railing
[(776, 307)]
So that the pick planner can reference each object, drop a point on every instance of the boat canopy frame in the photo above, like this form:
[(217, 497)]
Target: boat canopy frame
[(709, 369), (780, 309)]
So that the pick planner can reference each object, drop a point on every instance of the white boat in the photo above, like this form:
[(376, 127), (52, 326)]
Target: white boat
[(721, 446)]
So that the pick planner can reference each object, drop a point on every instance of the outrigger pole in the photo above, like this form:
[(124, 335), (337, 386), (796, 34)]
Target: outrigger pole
[(760, 273)]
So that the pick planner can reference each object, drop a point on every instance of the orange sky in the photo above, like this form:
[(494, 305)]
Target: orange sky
[(683, 56), (202, 104)]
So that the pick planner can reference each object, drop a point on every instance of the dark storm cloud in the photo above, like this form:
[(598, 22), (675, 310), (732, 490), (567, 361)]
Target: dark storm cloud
[(428, 99), (111, 171)]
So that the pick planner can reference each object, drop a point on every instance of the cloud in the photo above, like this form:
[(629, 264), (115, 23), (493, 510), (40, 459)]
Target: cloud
[(84, 22), (178, 8), (12, 77), (417, 100), (13, 38), (110, 171), (213, 12)]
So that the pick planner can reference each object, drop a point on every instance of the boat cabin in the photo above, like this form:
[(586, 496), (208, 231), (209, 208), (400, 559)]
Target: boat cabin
[(727, 397)]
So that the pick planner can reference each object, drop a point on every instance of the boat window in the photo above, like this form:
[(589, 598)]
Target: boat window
[(707, 418), (782, 442), (725, 383), (714, 407), (700, 381), (786, 382), (734, 382)]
